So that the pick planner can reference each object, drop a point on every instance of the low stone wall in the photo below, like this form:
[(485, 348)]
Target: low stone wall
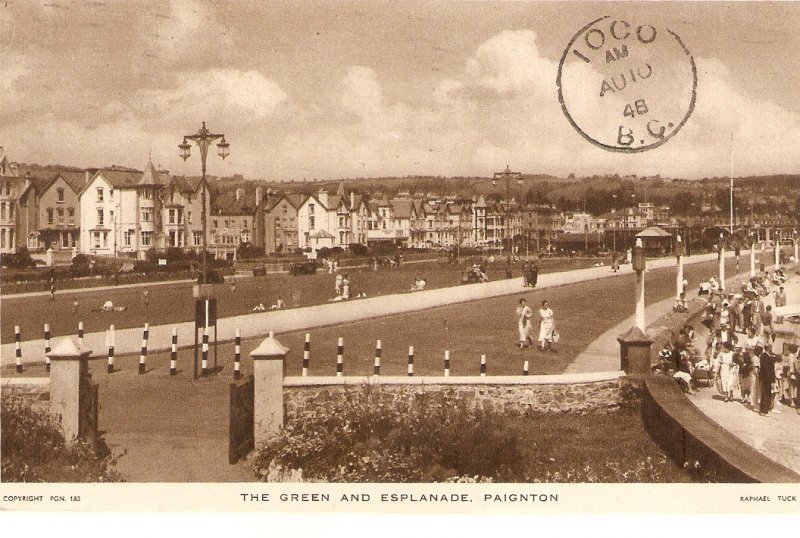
[(577, 393), (694, 440)]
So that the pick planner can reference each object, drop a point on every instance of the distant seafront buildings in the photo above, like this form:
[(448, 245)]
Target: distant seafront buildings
[(123, 212)]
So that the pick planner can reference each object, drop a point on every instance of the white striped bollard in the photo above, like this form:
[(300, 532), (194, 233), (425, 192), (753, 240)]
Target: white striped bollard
[(204, 361), (173, 353), (376, 370), (46, 347), (525, 368), (340, 357), (17, 348), (483, 365), (306, 353), (110, 341), (80, 334), (447, 363), (237, 356), (143, 354), (410, 361)]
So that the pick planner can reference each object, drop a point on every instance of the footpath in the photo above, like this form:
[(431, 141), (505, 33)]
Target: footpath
[(774, 435), (603, 353), (128, 341)]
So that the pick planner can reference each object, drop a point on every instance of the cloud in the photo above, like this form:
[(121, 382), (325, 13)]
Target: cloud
[(216, 92)]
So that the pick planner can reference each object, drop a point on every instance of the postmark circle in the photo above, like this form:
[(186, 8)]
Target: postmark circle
[(626, 86)]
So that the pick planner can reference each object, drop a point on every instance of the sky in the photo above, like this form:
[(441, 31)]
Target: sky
[(330, 90)]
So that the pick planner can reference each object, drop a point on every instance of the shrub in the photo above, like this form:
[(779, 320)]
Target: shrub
[(80, 259), (330, 252), (21, 259), (357, 249), (33, 449), (372, 437), (249, 251)]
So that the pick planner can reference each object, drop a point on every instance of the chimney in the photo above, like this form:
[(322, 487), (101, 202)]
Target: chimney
[(352, 199), (86, 177), (239, 194), (258, 196)]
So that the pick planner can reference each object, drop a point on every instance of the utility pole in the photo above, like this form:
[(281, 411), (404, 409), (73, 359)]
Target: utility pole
[(507, 174)]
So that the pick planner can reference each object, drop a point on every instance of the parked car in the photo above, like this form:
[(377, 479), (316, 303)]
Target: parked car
[(303, 268), (212, 277)]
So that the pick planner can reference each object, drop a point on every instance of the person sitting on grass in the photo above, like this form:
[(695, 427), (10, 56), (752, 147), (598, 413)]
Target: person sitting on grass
[(108, 306), (259, 307)]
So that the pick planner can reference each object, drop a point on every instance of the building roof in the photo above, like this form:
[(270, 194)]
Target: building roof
[(321, 234), (227, 204), (402, 208), (150, 176), (654, 231)]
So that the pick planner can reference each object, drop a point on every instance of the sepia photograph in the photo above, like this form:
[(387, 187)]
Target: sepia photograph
[(447, 256)]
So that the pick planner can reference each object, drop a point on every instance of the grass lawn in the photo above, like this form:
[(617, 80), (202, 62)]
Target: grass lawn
[(171, 303), (612, 447)]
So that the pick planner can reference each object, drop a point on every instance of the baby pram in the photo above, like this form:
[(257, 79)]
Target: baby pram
[(702, 377)]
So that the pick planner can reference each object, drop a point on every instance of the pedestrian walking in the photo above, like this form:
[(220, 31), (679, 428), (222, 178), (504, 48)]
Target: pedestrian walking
[(533, 278), (338, 284), (524, 315), (233, 284), (547, 328), (526, 271), (780, 297), (766, 380), (75, 305)]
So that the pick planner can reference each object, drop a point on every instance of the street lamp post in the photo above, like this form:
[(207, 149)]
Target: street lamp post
[(507, 174), (721, 263), (203, 139)]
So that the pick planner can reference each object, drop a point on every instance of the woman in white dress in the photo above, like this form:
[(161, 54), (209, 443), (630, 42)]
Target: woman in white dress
[(524, 315), (727, 371), (547, 327)]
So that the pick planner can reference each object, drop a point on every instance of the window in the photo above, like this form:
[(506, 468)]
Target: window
[(99, 195), (147, 239), (49, 216), (341, 222), (216, 225), (244, 224), (60, 193), (3, 210), (111, 216), (126, 237), (100, 218), (311, 222), (197, 239), (147, 194), (96, 239), (310, 208), (147, 214), (3, 238), (277, 222), (188, 217), (60, 217), (71, 215), (105, 239), (111, 194), (172, 216)]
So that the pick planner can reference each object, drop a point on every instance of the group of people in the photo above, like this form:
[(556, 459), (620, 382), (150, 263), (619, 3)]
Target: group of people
[(740, 356), (548, 335), (530, 274)]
